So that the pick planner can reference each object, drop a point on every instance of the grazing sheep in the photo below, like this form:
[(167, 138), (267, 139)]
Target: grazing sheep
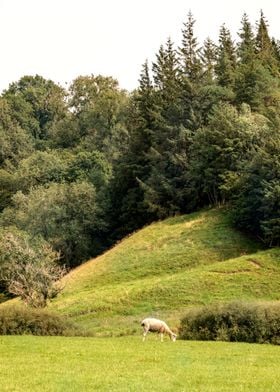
[(155, 325)]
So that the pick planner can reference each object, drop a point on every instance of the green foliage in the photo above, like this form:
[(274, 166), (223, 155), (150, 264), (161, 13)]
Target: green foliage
[(7, 188), (66, 215), (128, 210), (226, 58), (36, 103), (264, 48), (28, 268), (91, 167), (257, 207), (192, 67), (40, 168), (65, 133), (99, 105), (15, 143), (165, 189), (234, 322), (208, 58), (25, 321), (220, 149), (166, 74)]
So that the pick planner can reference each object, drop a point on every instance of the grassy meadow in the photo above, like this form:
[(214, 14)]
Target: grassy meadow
[(57, 364)]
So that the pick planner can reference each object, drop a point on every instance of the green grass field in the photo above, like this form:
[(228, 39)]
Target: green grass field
[(54, 364)]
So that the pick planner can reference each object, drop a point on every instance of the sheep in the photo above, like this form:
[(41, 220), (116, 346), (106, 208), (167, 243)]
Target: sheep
[(159, 326)]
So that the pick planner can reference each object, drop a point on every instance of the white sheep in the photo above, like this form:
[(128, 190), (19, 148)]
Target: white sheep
[(159, 326)]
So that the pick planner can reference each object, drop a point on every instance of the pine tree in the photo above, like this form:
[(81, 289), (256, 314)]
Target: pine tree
[(167, 155), (190, 53), (248, 70), (145, 97), (167, 83), (128, 209), (246, 47), (208, 58), (276, 50), (256, 78), (264, 47), (263, 41), (191, 70), (226, 59)]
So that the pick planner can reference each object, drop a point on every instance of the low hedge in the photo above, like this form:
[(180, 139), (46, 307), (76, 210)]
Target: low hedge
[(233, 322), (28, 321)]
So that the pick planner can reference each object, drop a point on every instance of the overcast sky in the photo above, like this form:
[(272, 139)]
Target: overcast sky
[(62, 39)]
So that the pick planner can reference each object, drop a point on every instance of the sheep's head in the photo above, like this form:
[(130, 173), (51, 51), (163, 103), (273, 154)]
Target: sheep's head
[(173, 337)]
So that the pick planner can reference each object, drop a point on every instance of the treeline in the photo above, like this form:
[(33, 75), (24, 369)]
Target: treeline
[(80, 168)]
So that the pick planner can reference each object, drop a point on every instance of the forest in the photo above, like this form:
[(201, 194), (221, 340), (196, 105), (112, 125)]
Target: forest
[(82, 167)]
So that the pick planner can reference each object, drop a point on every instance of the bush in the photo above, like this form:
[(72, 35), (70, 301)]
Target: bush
[(26, 321), (28, 268), (233, 322)]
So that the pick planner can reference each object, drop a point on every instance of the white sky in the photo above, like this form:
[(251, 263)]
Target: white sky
[(62, 39)]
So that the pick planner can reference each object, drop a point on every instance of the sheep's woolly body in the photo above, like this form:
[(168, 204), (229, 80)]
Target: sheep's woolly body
[(159, 326)]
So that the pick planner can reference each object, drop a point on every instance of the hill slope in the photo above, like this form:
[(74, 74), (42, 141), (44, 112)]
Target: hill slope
[(166, 267)]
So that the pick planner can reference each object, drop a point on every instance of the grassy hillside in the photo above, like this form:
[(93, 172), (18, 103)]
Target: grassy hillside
[(166, 267)]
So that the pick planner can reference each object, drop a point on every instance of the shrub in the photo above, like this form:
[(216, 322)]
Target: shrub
[(233, 322), (26, 321), (29, 268)]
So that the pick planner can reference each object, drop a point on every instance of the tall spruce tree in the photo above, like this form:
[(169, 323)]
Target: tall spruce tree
[(167, 83), (246, 46), (191, 74), (264, 47), (210, 92), (226, 59), (249, 70), (190, 53), (263, 41), (164, 190), (208, 58), (128, 209)]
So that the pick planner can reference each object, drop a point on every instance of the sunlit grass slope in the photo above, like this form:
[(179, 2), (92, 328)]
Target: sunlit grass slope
[(166, 267)]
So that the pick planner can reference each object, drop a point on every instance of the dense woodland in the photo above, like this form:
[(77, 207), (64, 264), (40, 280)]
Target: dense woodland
[(83, 167)]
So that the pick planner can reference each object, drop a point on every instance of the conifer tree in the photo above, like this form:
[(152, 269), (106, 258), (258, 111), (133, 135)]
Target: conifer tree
[(191, 75), (128, 209), (276, 50), (256, 77), (168, 152), (248, 70), (263, 41), (226, 59), (208, 58), (246, 46), (143, 128), (167, 83), (264, 47), (190, 53)]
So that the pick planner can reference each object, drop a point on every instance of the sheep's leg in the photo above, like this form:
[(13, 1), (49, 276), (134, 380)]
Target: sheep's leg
[(161, 337), (144, 335)]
